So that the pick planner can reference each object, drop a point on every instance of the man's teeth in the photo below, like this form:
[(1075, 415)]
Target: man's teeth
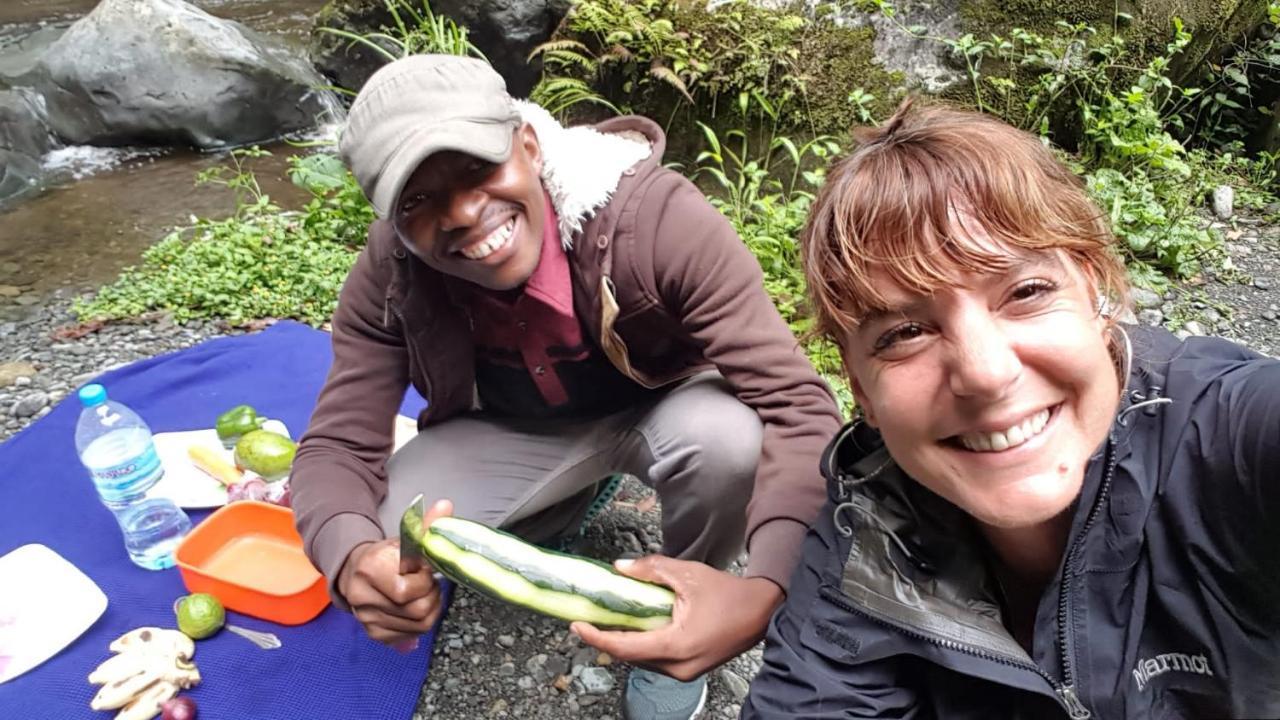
[(1008, 438), (495, 241)]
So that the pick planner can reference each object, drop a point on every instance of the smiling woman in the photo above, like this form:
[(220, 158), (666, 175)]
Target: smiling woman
[(1037, 500)]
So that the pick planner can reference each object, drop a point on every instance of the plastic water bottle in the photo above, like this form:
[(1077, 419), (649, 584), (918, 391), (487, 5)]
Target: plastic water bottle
[(115, 446)]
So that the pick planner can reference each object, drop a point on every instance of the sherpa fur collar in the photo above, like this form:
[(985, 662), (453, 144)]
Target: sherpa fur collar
[(581, 166)]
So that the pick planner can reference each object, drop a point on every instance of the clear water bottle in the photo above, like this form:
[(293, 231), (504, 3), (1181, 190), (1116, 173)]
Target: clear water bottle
[(115, 445)]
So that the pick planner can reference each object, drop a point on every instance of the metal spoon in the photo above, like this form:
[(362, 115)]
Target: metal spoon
[(264, 640)]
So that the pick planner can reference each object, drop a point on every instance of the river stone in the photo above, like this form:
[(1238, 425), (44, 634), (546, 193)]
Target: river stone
[(734, 683), (10, 372), (30, 405), (596, 680), (1224, 197), (149, 72), (24, 138), (1144, 298)]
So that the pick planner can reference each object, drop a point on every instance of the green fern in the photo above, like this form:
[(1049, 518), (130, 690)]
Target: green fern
[(558, 94)]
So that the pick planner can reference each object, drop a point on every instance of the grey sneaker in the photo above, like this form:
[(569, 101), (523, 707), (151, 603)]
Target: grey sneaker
[(653, 696)]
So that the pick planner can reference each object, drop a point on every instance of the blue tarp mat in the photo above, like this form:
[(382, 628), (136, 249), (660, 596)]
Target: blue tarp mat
[(327, 668)]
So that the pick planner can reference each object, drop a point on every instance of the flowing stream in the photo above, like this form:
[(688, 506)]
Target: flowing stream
[(104, 206)]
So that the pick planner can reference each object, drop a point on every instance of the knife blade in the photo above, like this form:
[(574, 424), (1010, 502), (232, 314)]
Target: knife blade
[(411, 531)]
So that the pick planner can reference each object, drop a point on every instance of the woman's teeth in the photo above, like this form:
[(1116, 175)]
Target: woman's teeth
[(495, 241), (1008, 438)]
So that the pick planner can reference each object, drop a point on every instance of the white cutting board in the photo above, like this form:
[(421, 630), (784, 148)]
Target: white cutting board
[(190, 487), (45, 604), (185, 484)]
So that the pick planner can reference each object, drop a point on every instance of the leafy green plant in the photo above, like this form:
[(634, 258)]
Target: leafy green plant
[(262, 262), (765, 192), (414, 31)]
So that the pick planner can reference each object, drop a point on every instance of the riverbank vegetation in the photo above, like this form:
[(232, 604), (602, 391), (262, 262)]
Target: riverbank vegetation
[(757, 102)]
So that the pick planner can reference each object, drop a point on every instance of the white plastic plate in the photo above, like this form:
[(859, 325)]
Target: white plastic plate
[(45, 604)]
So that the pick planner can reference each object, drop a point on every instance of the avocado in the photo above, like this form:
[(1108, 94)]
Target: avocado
[(266, 453)]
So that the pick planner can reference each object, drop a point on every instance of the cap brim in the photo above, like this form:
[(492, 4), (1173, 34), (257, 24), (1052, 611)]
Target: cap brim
[(488, 141)]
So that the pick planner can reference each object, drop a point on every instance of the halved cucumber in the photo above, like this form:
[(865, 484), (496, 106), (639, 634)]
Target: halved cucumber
[(562, 586)]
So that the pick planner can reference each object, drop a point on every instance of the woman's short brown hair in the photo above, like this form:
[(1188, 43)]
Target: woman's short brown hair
[(893, 203)]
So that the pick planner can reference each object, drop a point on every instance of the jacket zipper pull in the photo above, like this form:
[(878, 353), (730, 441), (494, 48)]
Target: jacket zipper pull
[(843, 487), (1071, 701)]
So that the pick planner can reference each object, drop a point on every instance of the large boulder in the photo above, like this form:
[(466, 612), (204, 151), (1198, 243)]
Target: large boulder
[(504, 30), (24, 138), (163, 72)]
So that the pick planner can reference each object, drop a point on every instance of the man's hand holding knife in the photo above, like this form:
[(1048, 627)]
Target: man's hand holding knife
[(391, 589)]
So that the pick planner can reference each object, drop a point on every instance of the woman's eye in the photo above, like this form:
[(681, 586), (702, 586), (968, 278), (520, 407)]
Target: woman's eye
[(1031, 289), (900, 334)]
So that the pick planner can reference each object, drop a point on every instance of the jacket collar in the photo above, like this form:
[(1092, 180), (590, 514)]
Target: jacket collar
[(581, 166)]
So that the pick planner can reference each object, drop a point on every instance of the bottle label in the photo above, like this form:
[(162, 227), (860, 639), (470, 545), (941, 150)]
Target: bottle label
[(131, 478)]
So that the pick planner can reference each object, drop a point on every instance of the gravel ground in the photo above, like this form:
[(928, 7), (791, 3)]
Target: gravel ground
[(493, 661)]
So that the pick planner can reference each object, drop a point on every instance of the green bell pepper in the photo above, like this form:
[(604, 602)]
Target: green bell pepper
[(236, 422)]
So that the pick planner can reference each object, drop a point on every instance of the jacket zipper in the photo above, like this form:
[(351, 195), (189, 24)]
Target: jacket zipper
[(1065, 690), (1065, 647)]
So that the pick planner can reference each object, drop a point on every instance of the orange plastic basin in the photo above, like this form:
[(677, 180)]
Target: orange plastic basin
[(250, 557)]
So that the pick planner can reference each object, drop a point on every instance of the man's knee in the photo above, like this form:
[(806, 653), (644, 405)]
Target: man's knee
[(732, 450), (721, 447)]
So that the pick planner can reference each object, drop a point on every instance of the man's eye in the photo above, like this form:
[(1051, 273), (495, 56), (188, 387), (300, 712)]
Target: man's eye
[(902, 333), (478, 167), (412, 201)]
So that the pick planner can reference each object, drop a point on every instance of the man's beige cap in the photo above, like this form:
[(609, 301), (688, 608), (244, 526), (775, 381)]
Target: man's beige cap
[(419, 105)]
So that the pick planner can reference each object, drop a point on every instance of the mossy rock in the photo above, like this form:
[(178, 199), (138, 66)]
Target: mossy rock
[(1147, 28), (804, 67), (1214, 24)]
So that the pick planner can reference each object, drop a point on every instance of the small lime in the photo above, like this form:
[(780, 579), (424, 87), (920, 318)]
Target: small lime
[(200, 615)]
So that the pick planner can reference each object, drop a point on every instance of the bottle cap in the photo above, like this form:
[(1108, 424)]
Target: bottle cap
[(91, 395)]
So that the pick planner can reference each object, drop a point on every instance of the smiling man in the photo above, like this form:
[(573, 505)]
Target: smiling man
[(571, 310)]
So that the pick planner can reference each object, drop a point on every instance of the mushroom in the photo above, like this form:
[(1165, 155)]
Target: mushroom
[(122, 692), (147, 704), (150, 667), (168, 642)]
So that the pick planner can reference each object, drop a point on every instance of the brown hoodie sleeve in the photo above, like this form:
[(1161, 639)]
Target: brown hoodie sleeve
[(707, 278), (339, 477)]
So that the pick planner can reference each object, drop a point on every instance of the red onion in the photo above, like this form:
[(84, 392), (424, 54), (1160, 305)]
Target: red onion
[(252, 489), (179, 708)]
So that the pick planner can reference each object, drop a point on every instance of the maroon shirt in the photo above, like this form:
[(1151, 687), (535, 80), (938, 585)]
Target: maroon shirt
[(532, 356)]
